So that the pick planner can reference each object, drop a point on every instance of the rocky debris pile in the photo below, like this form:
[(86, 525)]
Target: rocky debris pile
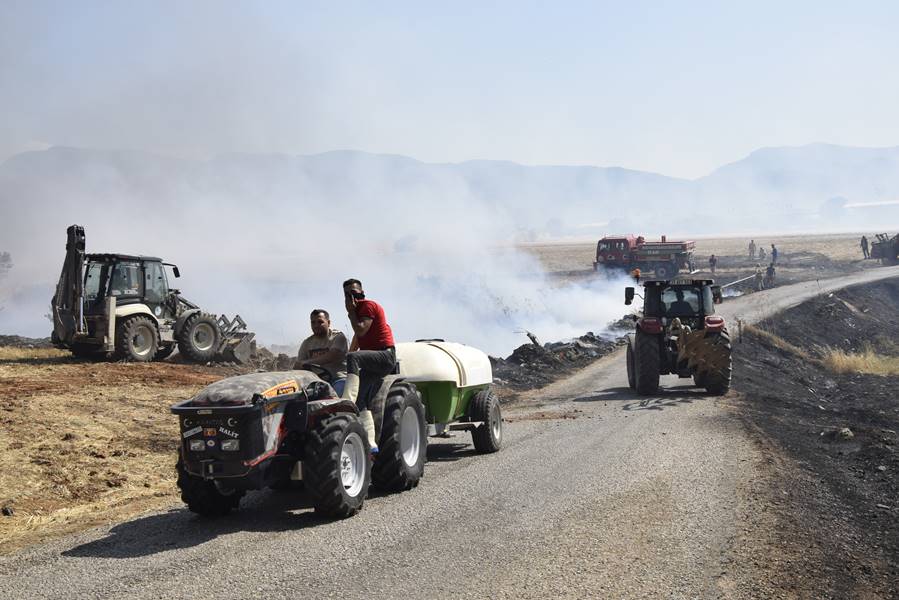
[(264, 359), (532, 365), (17, 341)]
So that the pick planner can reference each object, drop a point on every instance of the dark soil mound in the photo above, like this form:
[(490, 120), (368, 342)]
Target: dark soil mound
[(842, 431), (531, 366)]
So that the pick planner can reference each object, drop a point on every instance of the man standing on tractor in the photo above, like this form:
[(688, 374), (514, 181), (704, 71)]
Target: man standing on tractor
[(326, 347), (372, 353)]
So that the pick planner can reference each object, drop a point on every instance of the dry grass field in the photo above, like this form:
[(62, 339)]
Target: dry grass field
[(85, 443)]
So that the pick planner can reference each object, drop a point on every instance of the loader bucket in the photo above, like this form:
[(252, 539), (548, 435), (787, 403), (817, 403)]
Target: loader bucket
[(238, 348)]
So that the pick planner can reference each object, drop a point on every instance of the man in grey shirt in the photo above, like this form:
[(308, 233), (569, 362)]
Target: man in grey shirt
[(326, 347)]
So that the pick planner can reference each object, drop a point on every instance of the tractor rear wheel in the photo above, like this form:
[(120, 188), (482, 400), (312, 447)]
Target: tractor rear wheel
[(336, 467), (206, 498), (631, 368), (403, 444), (136, 339), (200, 338), (718, 381), (488, 437), (647, 363)]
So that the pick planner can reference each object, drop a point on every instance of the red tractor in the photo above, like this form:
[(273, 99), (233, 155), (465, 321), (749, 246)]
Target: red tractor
[(666, 259)]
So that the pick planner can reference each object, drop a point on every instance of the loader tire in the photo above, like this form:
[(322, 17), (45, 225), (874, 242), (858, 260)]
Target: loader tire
[(488, 437), (136, 339), (631, 368), (200, 338), (165, 351), (336, 467), (665, 270), (403, 444), (718, 382), (205, 497), (86, 351), (647, 363)]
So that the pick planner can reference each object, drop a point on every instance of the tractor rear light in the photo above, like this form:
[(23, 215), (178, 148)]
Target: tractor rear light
[(230, 445), (651, 325), (197, 445)]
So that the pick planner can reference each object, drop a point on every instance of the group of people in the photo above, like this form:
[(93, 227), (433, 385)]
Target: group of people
[(758, 252), (355, 368)]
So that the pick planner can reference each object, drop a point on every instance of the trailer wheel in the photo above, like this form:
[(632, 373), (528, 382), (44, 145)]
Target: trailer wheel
[(336, 467), (200, 338), (488, 437), (718, 382), (136, 339), (205, 497), (403, 445), (631, 368), (647, 363)]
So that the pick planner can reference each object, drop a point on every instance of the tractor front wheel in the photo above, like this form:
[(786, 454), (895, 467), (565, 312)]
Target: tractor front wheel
[(136, 339), (647, 363), (402, 448), (206, 498), (336, 467), (200, 338)]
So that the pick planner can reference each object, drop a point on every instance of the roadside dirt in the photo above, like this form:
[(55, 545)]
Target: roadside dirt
[(832, 443), (85, 443)]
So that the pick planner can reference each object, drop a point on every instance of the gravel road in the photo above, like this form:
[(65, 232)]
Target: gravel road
[(597, 493)]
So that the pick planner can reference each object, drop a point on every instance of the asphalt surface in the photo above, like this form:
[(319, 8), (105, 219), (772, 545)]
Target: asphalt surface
[(596, 493)]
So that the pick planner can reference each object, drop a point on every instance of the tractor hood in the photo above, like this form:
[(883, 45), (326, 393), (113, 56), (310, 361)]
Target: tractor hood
[(241, 389), (444, 361)]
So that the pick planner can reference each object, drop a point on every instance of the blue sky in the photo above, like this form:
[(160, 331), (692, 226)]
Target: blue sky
[(676, 88)]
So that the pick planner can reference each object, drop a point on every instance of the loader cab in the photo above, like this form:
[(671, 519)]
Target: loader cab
[(129, 279)]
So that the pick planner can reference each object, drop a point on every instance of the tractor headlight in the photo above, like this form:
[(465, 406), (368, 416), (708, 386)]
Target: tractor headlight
[(197, 445), (230, 445)]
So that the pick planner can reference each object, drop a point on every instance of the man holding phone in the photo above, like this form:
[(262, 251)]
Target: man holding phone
[(372, 353)]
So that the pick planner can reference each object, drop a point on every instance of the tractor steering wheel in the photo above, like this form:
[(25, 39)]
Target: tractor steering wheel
[(321, 372)]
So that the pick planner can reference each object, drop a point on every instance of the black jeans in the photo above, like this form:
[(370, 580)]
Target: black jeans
[(371, 366)]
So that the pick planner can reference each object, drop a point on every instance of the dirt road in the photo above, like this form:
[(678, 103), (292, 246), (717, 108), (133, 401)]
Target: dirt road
[(597, 493)]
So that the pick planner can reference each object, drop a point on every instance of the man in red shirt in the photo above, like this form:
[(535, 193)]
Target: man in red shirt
[(372, 353)]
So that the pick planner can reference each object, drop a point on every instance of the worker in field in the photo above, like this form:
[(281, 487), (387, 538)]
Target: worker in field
[(774, 254), (864, 243), (761, 254), (713, 262), (372, 353), (759, 278), (751, 249), (326, 347), (769, 276), (636, 274)]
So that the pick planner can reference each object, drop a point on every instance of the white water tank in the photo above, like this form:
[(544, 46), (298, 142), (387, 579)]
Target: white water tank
[(444, 361)]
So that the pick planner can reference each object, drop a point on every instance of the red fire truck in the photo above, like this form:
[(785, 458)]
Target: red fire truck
[(628, 252)]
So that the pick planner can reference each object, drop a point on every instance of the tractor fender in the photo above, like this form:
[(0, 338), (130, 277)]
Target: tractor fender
[(126, 310), (179, 323), (331, 405), (378, 401)]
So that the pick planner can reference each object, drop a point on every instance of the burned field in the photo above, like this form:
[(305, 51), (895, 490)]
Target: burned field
[(820, 389)]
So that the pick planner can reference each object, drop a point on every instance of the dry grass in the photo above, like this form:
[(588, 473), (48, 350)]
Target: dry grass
[(775, 340), (868, 361), (86, 443), (28, 354)]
